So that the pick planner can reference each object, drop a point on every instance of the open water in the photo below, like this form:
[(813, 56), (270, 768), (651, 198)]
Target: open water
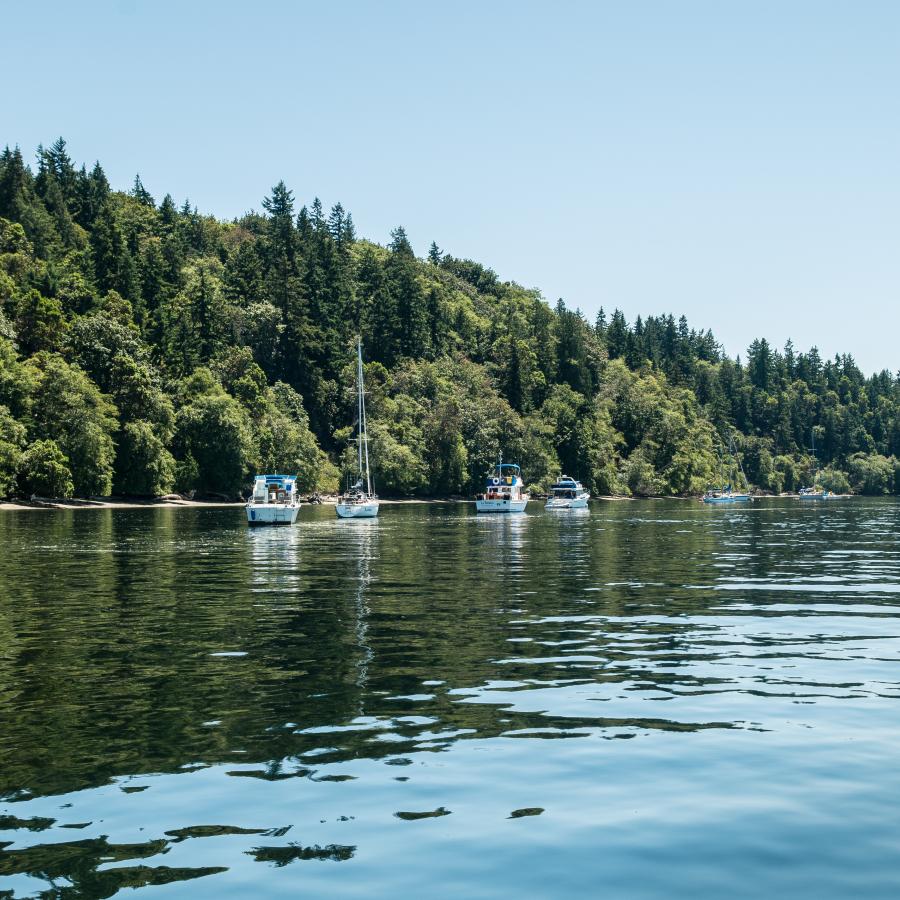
[(643, 700)]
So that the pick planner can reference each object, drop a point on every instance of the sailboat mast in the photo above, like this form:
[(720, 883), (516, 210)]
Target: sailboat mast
[(812, 435), (359, 413), (364, 435)]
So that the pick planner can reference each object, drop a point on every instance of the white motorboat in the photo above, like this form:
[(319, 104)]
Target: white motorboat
[(359, 501), (503, 491), (567, 493), (274, 500)]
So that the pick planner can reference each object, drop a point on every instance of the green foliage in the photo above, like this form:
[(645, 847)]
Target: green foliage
[(44, 471), (243, 378), (12, 440), (144, 467), (69, 408), (16, 381), (871, 473), (639, 476), (286, 444), (152, 343), (213, 434), (834, 480), (40, 324), (96, 339)]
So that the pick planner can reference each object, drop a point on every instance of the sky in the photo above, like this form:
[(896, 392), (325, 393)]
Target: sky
[(734, 162)]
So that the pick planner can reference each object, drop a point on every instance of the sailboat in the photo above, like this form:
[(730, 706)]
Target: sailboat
[(726, 494), (815, 492), (359, 502)]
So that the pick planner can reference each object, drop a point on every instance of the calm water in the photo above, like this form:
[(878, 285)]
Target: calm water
[(653, 699)]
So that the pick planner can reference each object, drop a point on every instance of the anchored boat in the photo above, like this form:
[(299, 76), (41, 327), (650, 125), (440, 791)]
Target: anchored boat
[(815, 492), (274, 500), (727, 494), (503, 491), (567, 493), (358, 501)]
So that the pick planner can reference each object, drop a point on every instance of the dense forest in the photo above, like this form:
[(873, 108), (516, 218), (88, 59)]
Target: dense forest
[(146, 347)]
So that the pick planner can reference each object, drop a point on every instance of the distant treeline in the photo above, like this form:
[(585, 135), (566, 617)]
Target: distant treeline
[(145, 347)]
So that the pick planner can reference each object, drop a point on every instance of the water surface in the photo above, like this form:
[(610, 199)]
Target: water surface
[(642, 700)]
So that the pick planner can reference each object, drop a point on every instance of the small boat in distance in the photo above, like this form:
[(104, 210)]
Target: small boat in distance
[(503, 491), (815, 492), (567, 493), (727, 494), (274, 500), (358, 501)]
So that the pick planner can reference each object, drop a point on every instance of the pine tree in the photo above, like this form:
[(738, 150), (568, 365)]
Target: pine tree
[(107, 251), (412, 336), (141, 194), (617, 335)]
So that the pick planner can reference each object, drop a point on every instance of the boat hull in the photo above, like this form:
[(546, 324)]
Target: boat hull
[(814, 496), (733, 498), (501, 506), (367, 510), (575, 503), (269, 514)]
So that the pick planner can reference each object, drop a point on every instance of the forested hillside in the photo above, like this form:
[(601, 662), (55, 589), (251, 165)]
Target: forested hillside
[(146, 347)]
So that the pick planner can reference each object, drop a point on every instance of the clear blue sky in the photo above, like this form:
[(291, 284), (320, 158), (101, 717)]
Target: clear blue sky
[(734, 162)]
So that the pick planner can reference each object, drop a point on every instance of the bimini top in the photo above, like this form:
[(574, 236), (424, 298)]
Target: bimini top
[(504, 473), (566, 481), (281, 480)]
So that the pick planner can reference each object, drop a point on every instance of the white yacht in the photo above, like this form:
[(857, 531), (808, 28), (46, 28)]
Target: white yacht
[(567, 493), (503, 491), (359, 501), (274, 500)]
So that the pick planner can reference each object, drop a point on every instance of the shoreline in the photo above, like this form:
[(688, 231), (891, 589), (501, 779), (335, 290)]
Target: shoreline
[(160, 503), (181, 503), (177, 503)]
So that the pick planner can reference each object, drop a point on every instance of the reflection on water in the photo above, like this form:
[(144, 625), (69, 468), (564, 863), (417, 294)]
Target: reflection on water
[(665, 699)]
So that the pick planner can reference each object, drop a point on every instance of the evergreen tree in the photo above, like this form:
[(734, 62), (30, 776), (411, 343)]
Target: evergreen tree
[(141, 194)]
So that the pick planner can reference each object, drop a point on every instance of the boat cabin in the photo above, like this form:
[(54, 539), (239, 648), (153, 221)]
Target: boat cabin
[(274, 489), (505, 483), (566, 488)]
